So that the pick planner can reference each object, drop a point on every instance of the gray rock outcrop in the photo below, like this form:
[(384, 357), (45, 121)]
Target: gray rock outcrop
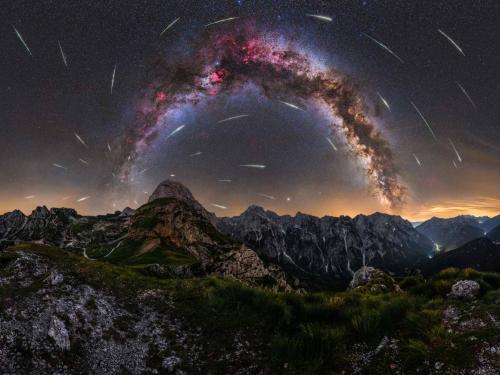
[(465, 289)]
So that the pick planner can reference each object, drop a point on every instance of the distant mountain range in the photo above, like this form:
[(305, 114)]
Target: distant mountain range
[(449, 234), (174, 234)]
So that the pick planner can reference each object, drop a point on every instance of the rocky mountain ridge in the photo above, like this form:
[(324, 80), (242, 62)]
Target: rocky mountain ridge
[(328, 250)]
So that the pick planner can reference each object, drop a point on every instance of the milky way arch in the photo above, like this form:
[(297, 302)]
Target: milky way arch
[(224, 64)]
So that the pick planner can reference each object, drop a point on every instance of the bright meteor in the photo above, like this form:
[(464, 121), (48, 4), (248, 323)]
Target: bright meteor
[(455, 44), (218, 206), (258, 166), (113, 79), (22, 40), (466, 94), (384, 101), (331, 144), (417, 160), (80, 139), (266, 196), (425, 121), (459, 158), (382, 45), (63, 55), (291, 105), (59, 166), (232, 118), (177, 130), (320, 17), (170, 25), (221, 21)]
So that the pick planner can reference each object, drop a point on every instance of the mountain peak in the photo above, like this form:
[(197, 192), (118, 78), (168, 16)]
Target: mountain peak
[(172, 189)]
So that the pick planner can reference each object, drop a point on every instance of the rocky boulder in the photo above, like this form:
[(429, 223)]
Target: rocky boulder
[(374, 279), (465, 289)]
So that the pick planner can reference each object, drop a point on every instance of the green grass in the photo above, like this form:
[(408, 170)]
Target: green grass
[(313, 333), (128, 253)]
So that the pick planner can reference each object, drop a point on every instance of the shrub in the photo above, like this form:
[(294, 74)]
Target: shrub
[(448, 273), (366, 322)]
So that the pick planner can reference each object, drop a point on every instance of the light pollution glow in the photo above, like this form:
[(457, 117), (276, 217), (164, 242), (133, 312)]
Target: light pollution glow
[(477, 206)]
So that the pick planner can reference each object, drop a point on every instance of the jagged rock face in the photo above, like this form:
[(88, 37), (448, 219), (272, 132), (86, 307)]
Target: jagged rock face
[(61, 227), (178, 222), (449, 234), (10, 222), (328, 249), (43, 225), (176, 190)]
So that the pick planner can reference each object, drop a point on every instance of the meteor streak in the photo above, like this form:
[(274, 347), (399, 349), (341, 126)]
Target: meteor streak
[(80, 139), (219, 206), (22, 40), (221, 21), (451, 41), (113, 79), (382, 45), (83, 198), (144, 171), (291, 105), (454, 164), (232, 118), (331, 144), (177, 130), (260, 166), (29, 197), (225, 180), (417, 160), (320, 17), (266, 196), (459, 158), (62, 54), (466, 94), (83, 161), (384, 101), (423, 118), (109, 147), (59, 166), (196, 154), (170, 25)]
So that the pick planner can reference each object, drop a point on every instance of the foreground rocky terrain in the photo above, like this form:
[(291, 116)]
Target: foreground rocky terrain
[(65, 314)]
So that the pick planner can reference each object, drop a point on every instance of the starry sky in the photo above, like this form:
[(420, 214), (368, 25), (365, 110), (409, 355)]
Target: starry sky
[(428, 73)]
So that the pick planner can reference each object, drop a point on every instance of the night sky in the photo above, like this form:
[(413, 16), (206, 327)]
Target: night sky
[(447, 164)]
